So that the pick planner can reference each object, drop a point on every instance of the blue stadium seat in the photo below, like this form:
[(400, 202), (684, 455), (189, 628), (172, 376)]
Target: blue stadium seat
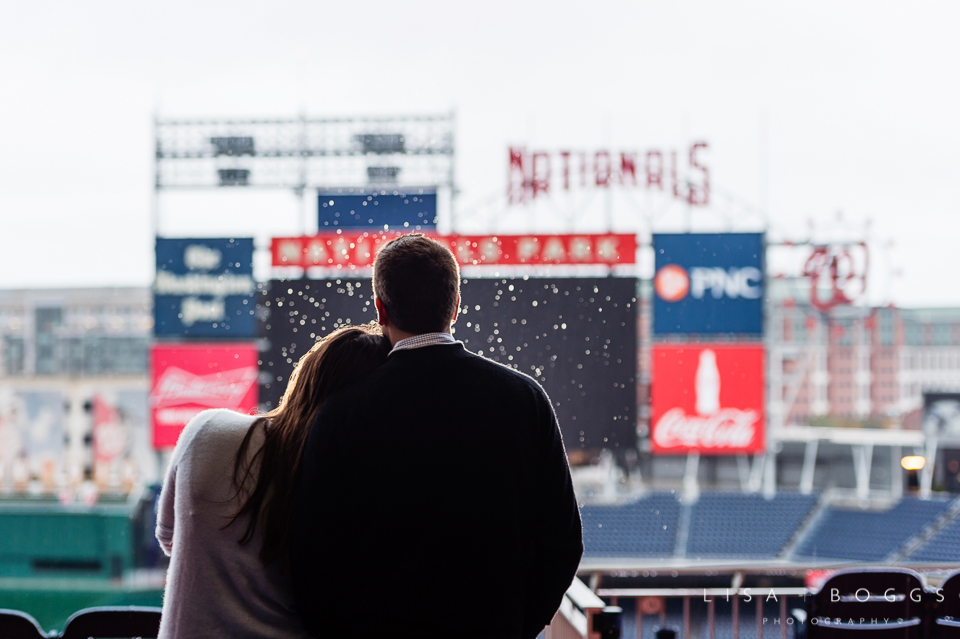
[(643, 528), (869, 535), (737, 525), (944, 546)]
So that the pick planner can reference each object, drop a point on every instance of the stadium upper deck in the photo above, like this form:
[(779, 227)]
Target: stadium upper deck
[(724, 530)]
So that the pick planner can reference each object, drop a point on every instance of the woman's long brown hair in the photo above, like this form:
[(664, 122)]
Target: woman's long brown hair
[(334, 362)]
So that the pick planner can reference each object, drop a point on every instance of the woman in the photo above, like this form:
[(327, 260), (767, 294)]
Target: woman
[(227, 501)]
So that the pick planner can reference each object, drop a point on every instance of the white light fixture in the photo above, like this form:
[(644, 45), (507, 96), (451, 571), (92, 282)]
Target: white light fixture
[(913, 462)]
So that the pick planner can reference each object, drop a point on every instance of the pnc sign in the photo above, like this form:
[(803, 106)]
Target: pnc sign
[(708, 283), (707, 398)]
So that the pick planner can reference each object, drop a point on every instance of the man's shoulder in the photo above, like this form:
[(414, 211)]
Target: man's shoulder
[(449, 362), (501, 371), (475, 374)]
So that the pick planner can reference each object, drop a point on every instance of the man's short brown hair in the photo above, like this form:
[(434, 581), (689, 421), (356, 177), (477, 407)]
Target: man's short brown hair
[(418, 281)]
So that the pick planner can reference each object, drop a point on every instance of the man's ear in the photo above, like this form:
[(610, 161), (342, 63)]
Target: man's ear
[(456, 311), (383, 319)]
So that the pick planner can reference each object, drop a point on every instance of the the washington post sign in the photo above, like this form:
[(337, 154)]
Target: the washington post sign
[(204, 288)]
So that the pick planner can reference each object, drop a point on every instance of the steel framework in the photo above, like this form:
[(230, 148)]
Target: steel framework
[(304, 153)]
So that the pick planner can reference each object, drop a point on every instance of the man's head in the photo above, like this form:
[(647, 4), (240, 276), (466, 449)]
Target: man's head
[(417, 284)]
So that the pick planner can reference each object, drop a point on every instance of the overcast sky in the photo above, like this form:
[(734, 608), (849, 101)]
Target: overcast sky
[(859, 99)]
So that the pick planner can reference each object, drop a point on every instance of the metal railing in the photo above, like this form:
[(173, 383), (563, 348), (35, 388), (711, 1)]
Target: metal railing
[(653, 602), (103, 621), (583, 615)]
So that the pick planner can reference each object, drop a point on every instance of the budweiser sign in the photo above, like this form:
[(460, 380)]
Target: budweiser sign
[(708, 398), (216, 390), (189, 378)]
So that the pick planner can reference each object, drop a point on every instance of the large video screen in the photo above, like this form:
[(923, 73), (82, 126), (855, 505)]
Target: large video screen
[(576, 336)]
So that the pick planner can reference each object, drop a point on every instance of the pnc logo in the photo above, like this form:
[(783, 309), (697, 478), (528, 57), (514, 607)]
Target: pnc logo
[(671, 283)]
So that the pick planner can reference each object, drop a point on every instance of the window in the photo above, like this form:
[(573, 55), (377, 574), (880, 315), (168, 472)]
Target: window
[(942, 334), (913, 333), (13, 357)]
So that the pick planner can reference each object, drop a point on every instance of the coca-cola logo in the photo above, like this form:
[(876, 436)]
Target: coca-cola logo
[(708, 398), (224, 389), (727, 428)]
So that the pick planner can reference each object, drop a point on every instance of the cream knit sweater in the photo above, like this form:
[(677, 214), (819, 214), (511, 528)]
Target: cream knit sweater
[(216, 587)]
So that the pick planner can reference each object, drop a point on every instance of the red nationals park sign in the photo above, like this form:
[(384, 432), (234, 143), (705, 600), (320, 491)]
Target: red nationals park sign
[(358, 249), (189, 378), (708, 398)]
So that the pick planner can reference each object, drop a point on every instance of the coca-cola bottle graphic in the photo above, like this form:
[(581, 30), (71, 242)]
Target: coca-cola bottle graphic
[(707, 383)]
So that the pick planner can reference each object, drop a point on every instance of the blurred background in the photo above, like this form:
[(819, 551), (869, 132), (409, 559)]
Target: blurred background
[(721, 236)]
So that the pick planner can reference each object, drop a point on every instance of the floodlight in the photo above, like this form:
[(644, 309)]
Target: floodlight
[(913, 462)]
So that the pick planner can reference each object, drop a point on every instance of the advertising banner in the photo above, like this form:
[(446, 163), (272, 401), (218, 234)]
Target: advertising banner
[(707, 398), (204, 288), (358, 208), (110, 433), (358, 250), (190, 378), (941, 416), (32, 427), (708, 283)]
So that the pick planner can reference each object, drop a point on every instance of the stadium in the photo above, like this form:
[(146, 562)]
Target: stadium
[(741, 435)]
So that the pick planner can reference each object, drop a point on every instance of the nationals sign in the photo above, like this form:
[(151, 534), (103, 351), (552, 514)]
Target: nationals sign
[(338, 250), (190, 378), (541, 172), (708, 398)]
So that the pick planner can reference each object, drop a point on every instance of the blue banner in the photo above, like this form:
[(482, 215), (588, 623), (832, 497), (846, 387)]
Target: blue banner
[(204, 288), (357, 208), (708, 283)]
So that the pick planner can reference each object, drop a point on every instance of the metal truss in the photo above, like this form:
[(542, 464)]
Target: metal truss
[(305, 153)]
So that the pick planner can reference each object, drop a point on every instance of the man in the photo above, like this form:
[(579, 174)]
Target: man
[(434, 495)]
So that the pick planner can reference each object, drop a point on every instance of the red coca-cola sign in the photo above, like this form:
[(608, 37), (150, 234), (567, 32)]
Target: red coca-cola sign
[(707, 398), (189, 378)]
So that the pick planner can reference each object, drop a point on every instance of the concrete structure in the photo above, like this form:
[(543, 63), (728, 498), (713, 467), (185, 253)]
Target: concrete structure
[(73, 390)]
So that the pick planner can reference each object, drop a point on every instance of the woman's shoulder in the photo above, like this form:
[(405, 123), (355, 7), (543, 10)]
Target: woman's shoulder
[(216, 427)]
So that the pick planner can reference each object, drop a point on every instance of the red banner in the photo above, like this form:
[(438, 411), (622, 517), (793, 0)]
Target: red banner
[(189, 378), (109, 432), (708, 398), (360, 248)]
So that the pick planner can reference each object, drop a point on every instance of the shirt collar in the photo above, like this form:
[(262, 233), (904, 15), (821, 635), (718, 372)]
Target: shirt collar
[(424, 339)]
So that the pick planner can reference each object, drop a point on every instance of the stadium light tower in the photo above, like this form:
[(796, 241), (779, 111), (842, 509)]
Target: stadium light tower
[(303, 153)]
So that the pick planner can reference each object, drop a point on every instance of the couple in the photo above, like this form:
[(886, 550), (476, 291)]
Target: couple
[(404, 487)]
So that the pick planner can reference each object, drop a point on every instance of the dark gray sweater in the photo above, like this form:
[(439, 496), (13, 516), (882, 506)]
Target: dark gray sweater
[(434, 500)]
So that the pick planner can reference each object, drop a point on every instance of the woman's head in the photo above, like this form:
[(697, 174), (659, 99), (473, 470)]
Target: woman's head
[(333, 363)]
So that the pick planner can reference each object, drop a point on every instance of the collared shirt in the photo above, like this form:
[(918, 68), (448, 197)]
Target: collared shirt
[(424, 339)]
